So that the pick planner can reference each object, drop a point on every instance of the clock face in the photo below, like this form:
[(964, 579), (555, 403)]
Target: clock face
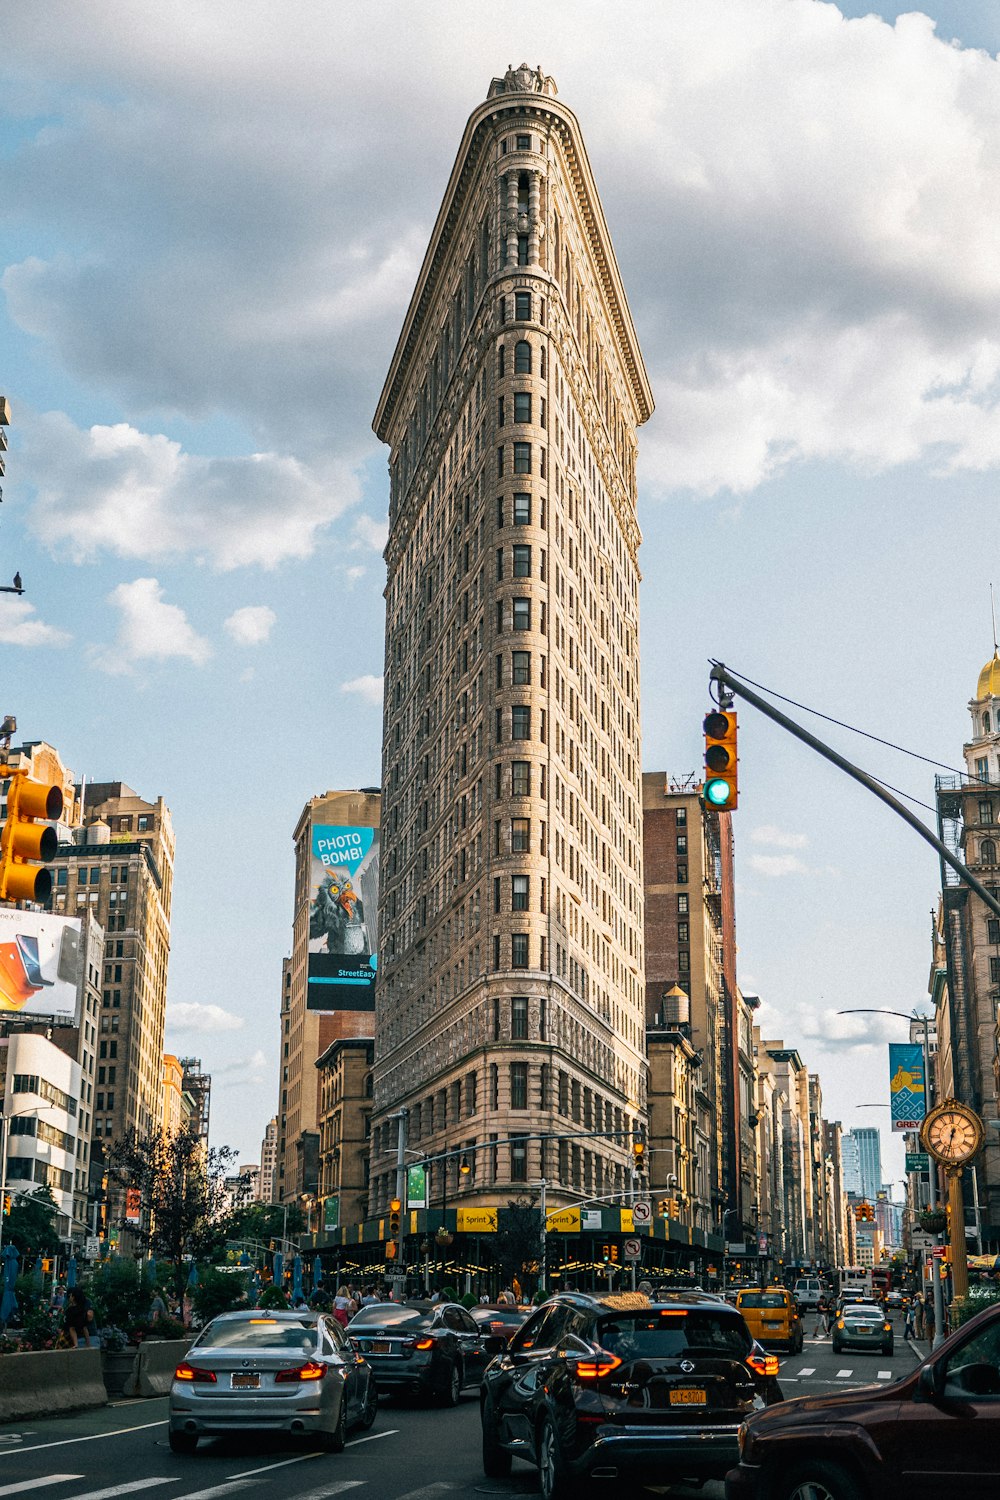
[(953, 1135)]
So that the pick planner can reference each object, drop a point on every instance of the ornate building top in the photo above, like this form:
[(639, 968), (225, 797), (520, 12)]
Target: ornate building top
[(989, 679), (523, 80)]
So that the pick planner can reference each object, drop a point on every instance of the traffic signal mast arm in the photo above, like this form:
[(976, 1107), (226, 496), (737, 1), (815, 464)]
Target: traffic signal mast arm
[(731, 684)]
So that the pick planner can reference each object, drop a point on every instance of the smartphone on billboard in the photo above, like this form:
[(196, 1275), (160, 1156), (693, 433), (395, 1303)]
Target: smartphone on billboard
[(68, 967), (28, 948), (15, 988)]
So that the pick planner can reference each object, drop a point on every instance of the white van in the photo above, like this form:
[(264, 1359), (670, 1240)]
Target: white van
[(808, 1291)]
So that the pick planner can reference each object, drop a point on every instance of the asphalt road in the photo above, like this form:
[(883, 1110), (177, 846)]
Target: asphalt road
[(412, 1453)]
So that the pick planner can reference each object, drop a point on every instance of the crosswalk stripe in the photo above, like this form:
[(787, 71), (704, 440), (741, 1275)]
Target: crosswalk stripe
[(808, 1371), (229, 1488), (89, 1437), (36, 1484), (842, 1374), (338, 1488), (427, 1491), (884, 1375), (128, 1488)]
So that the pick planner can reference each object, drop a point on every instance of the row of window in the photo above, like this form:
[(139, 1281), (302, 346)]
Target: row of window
[(91, 875), (523, 358), (520, 562), (523, 408), (30, 1083), (521, 511), (522, 458), (520, 948)]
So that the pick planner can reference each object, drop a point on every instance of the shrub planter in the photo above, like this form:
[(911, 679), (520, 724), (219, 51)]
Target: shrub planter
[(117, 1366), (934, 1222)]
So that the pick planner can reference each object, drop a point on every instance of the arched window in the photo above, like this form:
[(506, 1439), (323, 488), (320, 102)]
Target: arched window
[(987, 852), (986, 723), (522, 357)]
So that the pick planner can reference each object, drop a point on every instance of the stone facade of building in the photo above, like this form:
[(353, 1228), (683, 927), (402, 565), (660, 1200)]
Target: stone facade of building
[(510, 995)]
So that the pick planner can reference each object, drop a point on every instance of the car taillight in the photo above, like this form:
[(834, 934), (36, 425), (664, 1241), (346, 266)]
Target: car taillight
[(192, 1372), (886, 1327), (418, 1343), (595, 1369), (311, 1370), (764, 1364)]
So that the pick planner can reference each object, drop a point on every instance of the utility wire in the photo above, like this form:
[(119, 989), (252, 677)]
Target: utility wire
[(890, 744)]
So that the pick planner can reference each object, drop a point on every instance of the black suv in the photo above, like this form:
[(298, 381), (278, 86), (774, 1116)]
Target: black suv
[(621, 1388)]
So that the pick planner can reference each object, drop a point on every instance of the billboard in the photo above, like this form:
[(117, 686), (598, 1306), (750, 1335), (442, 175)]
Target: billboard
[(39, 962), (343, 918), (907, 1099)]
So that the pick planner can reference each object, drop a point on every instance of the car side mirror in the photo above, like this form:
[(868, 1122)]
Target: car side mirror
[(930, 1382), (494, 1344)]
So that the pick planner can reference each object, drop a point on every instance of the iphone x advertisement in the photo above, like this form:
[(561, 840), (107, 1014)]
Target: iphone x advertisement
[(39, 963)]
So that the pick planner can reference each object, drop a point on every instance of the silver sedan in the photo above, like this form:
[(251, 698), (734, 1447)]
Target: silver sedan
[(294, 1372)]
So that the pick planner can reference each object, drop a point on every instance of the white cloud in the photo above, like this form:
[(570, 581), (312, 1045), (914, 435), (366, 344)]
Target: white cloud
[(841, 1033), (205, 1019), (776, 865), (139, 495), (241, 1072), (371, 533), (354, 575), (778, 838), (18, 627), (251, 625), (149, 630), (368, 688), (802, 205)]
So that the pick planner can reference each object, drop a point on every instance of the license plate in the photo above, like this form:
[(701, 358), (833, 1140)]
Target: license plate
[(381, 1346), (771, 1325), (245, 1380), (686, 1396)]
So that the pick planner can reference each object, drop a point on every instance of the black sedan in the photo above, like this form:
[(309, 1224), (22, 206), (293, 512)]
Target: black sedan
[(421, 1349), (498, 1324)]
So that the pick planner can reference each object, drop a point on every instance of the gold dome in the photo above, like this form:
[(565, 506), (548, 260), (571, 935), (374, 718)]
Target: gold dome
[(989, 679)]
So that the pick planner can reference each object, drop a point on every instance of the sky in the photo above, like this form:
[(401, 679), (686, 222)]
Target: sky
[(211, 221)]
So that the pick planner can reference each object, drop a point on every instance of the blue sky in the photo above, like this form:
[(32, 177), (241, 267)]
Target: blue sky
[(211, 219)]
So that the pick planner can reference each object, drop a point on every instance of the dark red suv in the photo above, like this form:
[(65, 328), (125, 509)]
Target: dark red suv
[(936, 1433)]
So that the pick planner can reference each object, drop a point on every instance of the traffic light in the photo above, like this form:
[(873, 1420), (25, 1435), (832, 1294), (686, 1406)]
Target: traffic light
[(394, 1210), (8, 1200), (638, 1149), (720, 790), (614, 1255), (605, 1253), (24, 840)]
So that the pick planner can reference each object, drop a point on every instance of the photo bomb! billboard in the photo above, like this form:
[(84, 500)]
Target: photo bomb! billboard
[(39, 963), (343, 918)]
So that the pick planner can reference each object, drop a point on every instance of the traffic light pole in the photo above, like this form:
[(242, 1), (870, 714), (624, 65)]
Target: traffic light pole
[(730, 684)]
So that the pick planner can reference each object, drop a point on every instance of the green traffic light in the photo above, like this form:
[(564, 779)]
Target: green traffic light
[(718, 792)]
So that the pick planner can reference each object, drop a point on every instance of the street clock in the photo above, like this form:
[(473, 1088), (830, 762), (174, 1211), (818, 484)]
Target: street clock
[(953, 1133)]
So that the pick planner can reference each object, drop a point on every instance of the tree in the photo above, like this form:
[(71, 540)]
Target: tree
[(183, 1191), (259, 1223), (517, 1241), (31, 1223)]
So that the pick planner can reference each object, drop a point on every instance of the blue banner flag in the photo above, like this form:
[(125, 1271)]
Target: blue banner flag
[(907, 1095)]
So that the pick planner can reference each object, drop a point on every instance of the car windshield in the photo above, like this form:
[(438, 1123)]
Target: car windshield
[(662, 1335), (391, 1315), (258, 1333), (862, 1315), (762, 1299)]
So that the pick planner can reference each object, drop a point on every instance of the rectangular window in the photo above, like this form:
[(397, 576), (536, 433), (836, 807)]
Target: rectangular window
[(522, 306), (993, 929), (995, 971), (682, 932), (520, 835), (519, 950), (986, 812), (522, 614), (499, 512), (522, 249), (499, 564), (682, 817), (520, 722), (682, 904), (522, 458), (496, 893), (496, 951), (520, 779), (519, 893), (682, 843), (982, 768), (522, 561), (684, 961), (522, 406), (520, 668), (519, 1018), (518, 1086), (500, 461), (522, 510), (519, 1159), (524, 143), (500, 411), (682, 874)]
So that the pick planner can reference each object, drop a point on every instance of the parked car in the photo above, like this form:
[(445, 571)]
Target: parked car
[(498, 1325), (772, 1316), (934, 1433), (252, 1371), (861, 1326), (421, 1349), (622, 1388)]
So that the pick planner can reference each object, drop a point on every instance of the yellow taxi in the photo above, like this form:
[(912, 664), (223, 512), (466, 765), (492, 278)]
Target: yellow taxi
[(772, 1316)]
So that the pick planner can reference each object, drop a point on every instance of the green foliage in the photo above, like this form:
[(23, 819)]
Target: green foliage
[(41, 1328), (964, 1308), (218, 1292), (119, 1294), (272, 1296), (31, 1224), (469, 1300)]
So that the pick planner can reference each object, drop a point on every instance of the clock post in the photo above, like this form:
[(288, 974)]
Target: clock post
[(953, 1134)]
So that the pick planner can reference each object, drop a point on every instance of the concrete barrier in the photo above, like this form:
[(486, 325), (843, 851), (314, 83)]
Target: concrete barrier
[(154, 1366), (39, 1383)]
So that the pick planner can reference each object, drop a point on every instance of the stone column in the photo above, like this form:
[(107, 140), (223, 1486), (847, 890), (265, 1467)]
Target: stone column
[(512, 218), (534, 206)]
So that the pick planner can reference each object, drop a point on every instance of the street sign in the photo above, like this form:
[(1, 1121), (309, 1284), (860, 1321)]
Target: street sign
[(641, 1212), (92, 1248), (633, 1248), (917, 1161), (938, 1252), (921, 1240)]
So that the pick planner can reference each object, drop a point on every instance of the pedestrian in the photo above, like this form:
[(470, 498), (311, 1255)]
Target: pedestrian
[(78, 1322), (158, 1306), (908, 1325), (929, 1320), (822, 1320), (921, 1314), (344, 1307)]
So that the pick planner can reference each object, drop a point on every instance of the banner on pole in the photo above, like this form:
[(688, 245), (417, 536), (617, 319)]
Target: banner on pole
[(907, 1096)]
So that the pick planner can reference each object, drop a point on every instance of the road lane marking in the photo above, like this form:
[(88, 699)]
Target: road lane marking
[(332, 1489), (843, 1374), (389, 1432), (809, 1370), (126, 1489), (282, 1463), (223, 1489), (884, 1375), (90, 1437), (36, 1484), (427, 1491)]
